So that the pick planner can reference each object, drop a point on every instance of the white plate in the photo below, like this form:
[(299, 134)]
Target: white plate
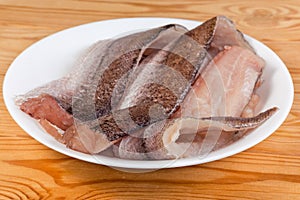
[(53, 56)]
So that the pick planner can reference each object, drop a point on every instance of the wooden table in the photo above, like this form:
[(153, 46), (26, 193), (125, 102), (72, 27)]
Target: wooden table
[(270, 170)]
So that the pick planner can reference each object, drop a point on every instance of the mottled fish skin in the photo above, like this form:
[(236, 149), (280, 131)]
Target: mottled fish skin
[(162, 145), (226, 28), (96, 135), (225, 34), (138, 116), (159, 92), (123, 54), (99, 57), (153, 73), (240, 123), (161, 139), (64, 88)]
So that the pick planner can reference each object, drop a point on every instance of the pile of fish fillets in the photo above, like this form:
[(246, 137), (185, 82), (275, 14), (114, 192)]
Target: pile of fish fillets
[(163, 93)]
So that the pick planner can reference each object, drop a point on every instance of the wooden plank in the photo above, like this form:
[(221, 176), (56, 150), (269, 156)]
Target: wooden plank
[(269, 170)]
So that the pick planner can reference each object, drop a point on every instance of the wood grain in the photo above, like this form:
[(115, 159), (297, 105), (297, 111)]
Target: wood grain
[(270, 170)]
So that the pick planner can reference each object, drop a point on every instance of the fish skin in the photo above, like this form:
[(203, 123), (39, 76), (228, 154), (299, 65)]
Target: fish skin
[(145, 121), (240, 123), (177, 59), (137, 116), (158, 141), (154, 92), (83, 72), (234, 37), (218, 44), (72, 86), (159, 144), (137, 113), (93, 98), (206, 113), (62, 90)]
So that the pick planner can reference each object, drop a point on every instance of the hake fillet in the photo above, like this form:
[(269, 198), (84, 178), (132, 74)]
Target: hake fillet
[(155, 101), (135, 91)]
